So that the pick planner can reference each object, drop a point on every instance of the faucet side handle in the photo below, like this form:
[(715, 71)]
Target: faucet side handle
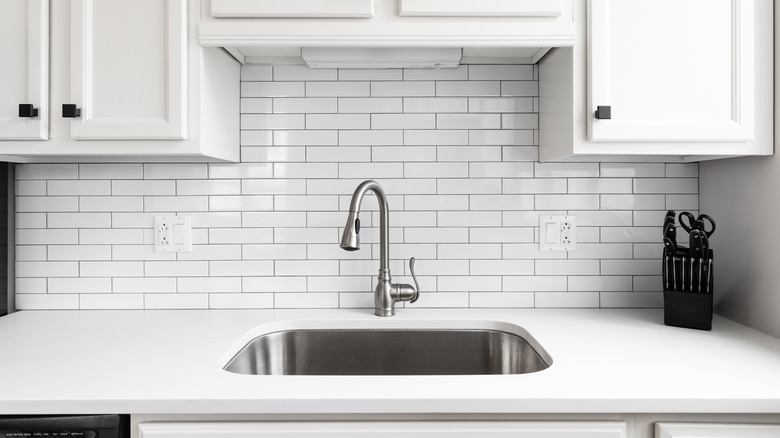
[(414, 277)]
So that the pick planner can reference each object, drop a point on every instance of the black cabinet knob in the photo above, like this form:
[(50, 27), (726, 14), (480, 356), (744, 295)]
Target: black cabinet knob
[(604, 112), (70, 110), (27, 110)]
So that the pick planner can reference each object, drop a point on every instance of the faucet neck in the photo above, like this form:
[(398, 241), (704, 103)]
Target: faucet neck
[(384, 227)]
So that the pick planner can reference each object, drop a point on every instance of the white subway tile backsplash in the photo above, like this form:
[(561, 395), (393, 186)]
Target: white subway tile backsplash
[(456, 152)]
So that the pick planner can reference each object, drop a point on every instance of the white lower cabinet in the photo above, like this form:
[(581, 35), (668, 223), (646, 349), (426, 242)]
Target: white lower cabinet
[(710, 430), (386, 429)]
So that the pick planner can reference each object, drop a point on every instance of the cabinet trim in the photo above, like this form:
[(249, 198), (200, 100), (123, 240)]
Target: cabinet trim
[(292, 9), (696, 430), (483, 8), (90, 127)]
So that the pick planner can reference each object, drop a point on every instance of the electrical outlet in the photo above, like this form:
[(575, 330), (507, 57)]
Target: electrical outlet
[(172, 234), (557, 233)]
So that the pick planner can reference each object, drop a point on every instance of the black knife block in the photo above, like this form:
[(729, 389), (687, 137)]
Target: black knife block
[(688, 309)]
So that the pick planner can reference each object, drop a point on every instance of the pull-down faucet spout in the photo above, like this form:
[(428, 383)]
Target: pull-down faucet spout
[(386, 293)]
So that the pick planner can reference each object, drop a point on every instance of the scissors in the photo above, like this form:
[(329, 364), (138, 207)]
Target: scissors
[(698, 223)]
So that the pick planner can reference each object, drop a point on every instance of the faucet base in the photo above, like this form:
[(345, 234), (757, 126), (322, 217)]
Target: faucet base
[(384, 312)]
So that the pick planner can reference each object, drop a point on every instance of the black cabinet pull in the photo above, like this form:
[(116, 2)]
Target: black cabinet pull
[(70, 110), (27, 110), (604, 112)]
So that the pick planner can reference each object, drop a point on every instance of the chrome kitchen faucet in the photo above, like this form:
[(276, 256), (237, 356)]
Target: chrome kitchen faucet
[(386, 293)]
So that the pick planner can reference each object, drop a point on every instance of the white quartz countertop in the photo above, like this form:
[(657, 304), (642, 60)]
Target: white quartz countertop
[(604, 361)]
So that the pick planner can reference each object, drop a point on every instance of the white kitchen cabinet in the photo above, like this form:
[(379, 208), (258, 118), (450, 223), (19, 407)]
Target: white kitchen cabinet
[(138, 86), (680, 80), (24, 78), (384, 429), (712, 430), (292, 8), (483, 8)]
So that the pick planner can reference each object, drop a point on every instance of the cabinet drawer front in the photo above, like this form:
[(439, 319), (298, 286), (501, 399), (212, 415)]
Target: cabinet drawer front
[(697, 430), (400, 429), (129, 69), (483, 8), (24, 77), (292, 8), (672, 71)]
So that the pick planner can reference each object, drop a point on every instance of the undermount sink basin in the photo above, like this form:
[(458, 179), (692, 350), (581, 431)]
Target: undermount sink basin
[(390, 351)]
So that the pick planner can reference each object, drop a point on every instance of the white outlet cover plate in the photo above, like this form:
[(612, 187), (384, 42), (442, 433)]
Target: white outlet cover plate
[(172, 234), (557, 233)]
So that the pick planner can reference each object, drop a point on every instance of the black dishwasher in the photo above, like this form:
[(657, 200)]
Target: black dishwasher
[(70, 426)]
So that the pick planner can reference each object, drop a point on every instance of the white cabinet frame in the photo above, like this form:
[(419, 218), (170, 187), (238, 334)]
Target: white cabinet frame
[(698, 430)]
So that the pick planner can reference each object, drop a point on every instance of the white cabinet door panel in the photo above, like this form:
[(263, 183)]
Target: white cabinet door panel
[(128, 69), (292, 9), (24, 76), (672, 70), (488, 429), (483, 8), (699, 430)]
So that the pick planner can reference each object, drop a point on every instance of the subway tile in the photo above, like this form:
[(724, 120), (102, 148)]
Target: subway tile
[(139, 252), (238, 268), (240, 170), (306, 170), (687, 170), (501, 235), (527, 283), (36, 236), (371, 170), (469, 218), (460, 73), (305, 267), (256, 138), (567, 300), (501, 267), (338, 121), (143, 187), (338, 89), (79, 285), (240, 235), (648, 283), (567, 202), (30, 188), (273, 121), (501, 105), (371, 74), (648, 218), (47, 301), (256, 105), (273, 89), (529, 251), (630, 267), (501, 202), (436, 235), (111, 203), (631, 234), (648, 250), (435, 170), (306, 203), (175, 171), (403, 121), (435, 104), (403, 89), (111, 302), (666, 185), (33, 204), (175, 203), (146, 285), (412, 218), (436, 202), (468, 186), (468, 88), (501, 300), (78, 220), (501, 170), (535, 186), (305, 235), (79, 252), (603, 218), (303, 105), (273, 186), (436, 137), (30, 253), (339, 284), (595, 283), (309, 137), (274, 284), (405, 251), (566, 170), (306, 301), (112, 269), (111, 171), (370, 138), (599, 250), (369, 105), (268, 155), (303, 73), (47, 171), (26, 286), (520, 121), (31, 220), (214, 219), (441, 300), (520, 153), (176, 301), (631, 170), (682, 202), (273, 219), (336, 186), (472, 283), (276, 251), (471, 251), (468, 153), (208, 187), (215, 285), (241, 203), (520, 88), (501, 72), (212, 252), (567, 267), (600, 185), (133, 220), (501, 137), (401, 153), (241, 301), (256, 73), (632, 202), (468, 121)]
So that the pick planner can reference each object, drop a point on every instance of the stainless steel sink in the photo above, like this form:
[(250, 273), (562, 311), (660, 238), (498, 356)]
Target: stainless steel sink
[(389, 352)]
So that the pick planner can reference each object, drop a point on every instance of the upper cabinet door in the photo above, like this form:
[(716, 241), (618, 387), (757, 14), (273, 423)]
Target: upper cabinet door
[(671, 70), (24, 77), (128, 69)]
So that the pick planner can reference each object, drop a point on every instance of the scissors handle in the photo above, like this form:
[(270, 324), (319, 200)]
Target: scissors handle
[(700, 224), (691, 220)]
